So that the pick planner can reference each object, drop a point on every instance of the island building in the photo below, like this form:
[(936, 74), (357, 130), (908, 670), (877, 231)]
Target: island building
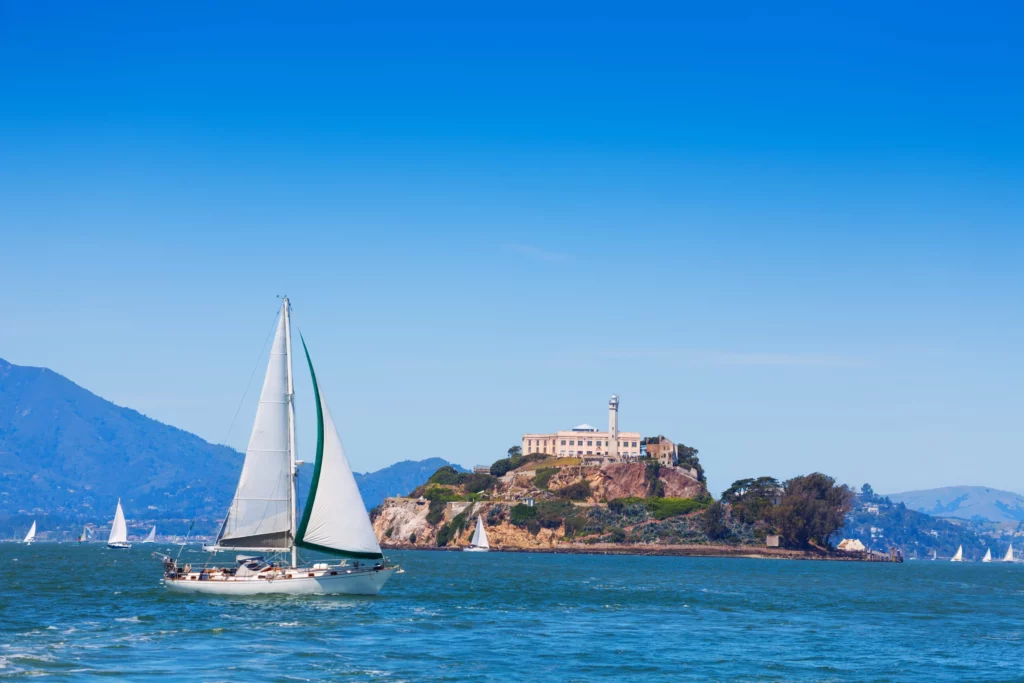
[(587, 443), (661, 449)]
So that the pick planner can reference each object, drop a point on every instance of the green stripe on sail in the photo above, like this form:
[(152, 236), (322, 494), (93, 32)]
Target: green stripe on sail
[(311, 498)]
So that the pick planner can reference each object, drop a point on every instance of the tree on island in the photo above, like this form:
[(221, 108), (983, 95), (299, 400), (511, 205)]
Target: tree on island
[(687, 457), (812, 509), (752, 500), (713, 522)]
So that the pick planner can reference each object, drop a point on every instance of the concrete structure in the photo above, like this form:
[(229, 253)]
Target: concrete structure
[(585, 442), (481, 469), (662, 450)]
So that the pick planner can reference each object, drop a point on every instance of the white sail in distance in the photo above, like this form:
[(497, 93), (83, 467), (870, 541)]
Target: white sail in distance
[(335, 518), (959, 557), (151, 536), (119, 529), (480, 535), (85, 535), (988, 556), (31, 535), (260, 515), (1008, 557)]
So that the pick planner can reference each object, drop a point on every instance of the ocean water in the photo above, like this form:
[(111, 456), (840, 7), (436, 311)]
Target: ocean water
[(87, 612)]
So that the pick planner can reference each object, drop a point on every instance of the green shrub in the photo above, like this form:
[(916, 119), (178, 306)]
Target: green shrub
[(495, 515), (578, 491), (616, 535), (544, 475), (660, 508), (475, 483), (390, 531), (502, 467), (412, 537), (552, 513), (521, 514), (575, 525), (663, 508), (442, 493), (445, 475), (436, 511), (618, 505)]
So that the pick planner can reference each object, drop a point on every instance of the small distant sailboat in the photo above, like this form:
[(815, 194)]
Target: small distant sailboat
[(479, 542), (988, 556), (1008, 557), (959, 557), (119, 531), (85, 535), (151, 536), (31, 535), (935, 555)]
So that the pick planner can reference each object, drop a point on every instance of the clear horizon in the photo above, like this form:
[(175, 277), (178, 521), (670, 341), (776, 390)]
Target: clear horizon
[(791, 238)]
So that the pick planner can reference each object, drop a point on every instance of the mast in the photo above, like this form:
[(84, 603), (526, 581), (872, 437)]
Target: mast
[(291, 420)]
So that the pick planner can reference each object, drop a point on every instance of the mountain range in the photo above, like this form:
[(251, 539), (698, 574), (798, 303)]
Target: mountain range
[(976, 503), (67, 454)]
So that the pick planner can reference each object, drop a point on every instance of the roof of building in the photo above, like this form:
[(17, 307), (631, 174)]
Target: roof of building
[(584, 428)]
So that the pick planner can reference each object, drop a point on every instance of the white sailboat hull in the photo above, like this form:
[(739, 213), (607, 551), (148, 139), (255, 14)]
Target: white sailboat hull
[(345, 582), (119, 545), (475, 550)]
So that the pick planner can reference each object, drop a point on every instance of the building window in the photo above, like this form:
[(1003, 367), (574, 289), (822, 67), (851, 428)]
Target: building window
[(590, 452), (590, 443), (598, 443), (572, 443), (634, 444), (563, 442)]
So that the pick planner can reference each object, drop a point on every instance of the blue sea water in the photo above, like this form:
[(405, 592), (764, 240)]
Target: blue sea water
[(85, 612)]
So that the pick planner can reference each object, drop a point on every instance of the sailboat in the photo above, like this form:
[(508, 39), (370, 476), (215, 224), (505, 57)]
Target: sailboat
[(151, 536), (1008, 557), (85, 535), (988, 555), (31, 535), (935, 555), (479, 542), (118, 538), (263, 517), (959, 557)]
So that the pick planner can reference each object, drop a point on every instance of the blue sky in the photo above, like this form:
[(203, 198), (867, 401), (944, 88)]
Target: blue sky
[(789, 237)]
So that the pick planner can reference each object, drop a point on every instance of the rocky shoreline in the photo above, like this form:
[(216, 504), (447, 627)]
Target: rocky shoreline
[(748, 552)]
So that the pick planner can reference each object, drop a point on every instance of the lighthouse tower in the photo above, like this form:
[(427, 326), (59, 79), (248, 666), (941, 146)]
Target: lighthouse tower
[(613, 427)]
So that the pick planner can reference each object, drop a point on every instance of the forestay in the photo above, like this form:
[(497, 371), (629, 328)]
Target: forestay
[(335, 518), (260, 513)]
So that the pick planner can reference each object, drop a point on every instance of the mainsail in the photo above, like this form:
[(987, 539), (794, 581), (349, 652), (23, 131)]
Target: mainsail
[(988, 556), (119, 529), (1008, 557), (85, 535), (959, 557), (260, 516), (31, 535), (335, 519), (480, 535), (151, 536)]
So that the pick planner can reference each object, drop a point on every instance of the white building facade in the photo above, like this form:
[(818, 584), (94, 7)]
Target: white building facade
[(587, 443)]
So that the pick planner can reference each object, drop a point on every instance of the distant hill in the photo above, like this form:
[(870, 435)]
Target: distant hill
[(965, 502), (67, 455), (398, 479), (880, 523)]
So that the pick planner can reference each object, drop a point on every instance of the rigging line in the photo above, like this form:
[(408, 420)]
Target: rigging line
[(251, 375)]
